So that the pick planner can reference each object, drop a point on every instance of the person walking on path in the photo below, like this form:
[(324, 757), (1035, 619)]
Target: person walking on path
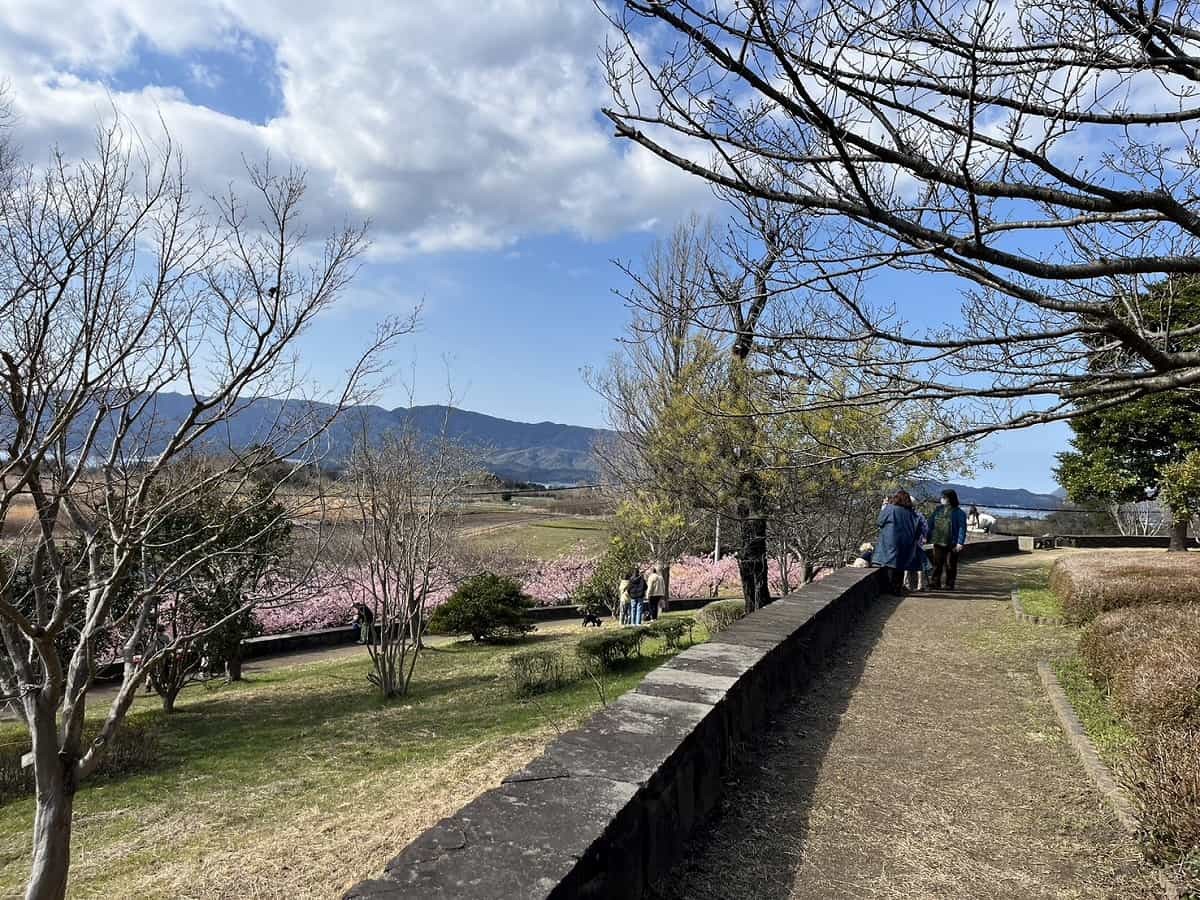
[(914, 573), (948, 531), (656, 595), (897, 537), (637, 597)]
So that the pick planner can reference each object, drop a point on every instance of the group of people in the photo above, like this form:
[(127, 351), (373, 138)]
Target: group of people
[(903, 533), (642, 598)]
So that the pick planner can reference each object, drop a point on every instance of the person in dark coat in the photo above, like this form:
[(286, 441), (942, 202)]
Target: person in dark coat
[(363, 620), (897, 539)]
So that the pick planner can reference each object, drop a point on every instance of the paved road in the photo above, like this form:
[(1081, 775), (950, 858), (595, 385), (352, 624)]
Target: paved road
[(924, 762)]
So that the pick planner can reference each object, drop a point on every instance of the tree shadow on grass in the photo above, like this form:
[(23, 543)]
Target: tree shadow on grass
[(733, 855)]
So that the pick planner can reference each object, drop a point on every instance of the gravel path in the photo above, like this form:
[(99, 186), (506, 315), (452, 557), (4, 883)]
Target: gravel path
[(924, 761)]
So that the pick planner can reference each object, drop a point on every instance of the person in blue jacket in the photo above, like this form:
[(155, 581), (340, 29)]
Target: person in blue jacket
[(897, 539), (948, 533)]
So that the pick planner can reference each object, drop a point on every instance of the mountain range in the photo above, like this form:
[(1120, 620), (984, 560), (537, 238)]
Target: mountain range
[(543, 452)]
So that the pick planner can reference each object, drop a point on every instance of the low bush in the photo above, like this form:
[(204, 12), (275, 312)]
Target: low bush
[(608, 649), (487, 607), (134, 749), (672, 630), (720, 614), (1092, 583), (1163, 780), (1148, 657), (538, 671)]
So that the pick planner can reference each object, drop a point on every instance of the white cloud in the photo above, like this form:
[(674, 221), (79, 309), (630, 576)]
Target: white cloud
[(449, 125)]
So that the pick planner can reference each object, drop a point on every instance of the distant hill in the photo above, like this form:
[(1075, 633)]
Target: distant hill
[(991, 496), (541, 452)]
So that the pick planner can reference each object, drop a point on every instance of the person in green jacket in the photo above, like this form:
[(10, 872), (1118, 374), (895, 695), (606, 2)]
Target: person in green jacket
[(948, 534)]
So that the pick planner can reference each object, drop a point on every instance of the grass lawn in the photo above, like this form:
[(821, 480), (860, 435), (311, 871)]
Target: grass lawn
[(1109, 734), (549, 539), (303, 781)]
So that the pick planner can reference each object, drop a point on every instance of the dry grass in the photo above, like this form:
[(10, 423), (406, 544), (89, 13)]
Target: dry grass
[(1091, 583), (302, 781)]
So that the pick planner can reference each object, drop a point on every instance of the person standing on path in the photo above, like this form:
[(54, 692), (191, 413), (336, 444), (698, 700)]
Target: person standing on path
[(948, 530), (897, 537), (623, 601), (637, 597), (656, 594), (914, 573)]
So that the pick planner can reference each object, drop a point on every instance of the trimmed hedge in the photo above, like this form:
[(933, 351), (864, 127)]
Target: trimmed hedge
[(1163, 779), (1089, 584), (1148, 659), (720, 614), (671, 631)]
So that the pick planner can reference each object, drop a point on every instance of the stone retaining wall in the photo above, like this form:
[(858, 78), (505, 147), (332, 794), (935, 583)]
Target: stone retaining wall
[(607, 809)]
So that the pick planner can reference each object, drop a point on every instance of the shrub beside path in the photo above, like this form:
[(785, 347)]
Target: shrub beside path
[(925, 761)]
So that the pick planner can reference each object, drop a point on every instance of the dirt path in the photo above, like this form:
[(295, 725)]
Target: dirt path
[(924, 762)]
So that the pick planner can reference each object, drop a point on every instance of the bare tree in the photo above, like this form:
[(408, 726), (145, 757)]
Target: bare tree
[(407, 489), (1044, 154), (116, 291)]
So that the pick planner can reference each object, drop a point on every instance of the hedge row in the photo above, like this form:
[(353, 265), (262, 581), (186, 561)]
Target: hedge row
[(538, 671), (1089, 584), (1148, 658)]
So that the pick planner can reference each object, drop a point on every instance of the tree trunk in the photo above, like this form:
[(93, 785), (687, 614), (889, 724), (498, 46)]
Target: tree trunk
[(233, 665), (1179, 536), (752, 563), (55, 778)]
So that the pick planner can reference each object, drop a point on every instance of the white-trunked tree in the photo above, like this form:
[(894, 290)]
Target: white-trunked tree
[(116, 289)]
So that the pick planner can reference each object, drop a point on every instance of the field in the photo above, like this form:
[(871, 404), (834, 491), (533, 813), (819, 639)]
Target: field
[(544, 537), (303, 781)]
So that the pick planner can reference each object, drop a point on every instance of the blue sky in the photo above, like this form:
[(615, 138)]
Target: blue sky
[(496, 195)]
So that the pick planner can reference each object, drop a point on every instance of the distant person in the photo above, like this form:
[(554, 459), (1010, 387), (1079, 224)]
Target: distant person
[(897, 537), (981, 522), (363, 620), (948, 532), (656, 594), (637, 597), (623, 600), (914, 573), (863, 560)]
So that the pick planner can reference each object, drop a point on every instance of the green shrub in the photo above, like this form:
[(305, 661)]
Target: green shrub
[(720, 614), (134, 749), (609, 649), (487, 607), (537, 671), (671, 630)]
